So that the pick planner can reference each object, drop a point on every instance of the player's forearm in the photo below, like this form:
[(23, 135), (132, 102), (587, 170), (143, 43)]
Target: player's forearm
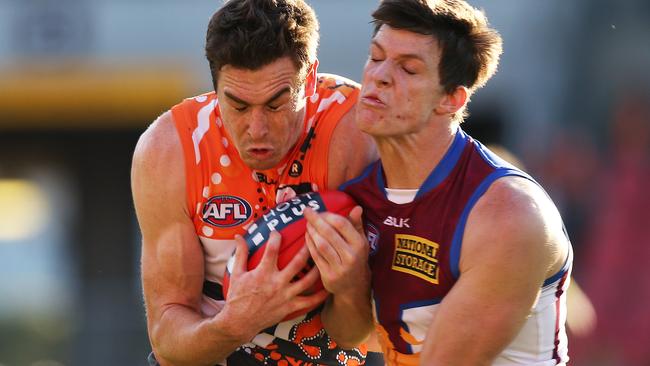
[(469, 337), (439, 356), (348, 320), (182, 337)]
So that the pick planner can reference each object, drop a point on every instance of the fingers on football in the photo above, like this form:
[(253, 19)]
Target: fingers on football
[(346, 228), (241, 256), (296, 264), (328, 225), (309, 301), (306, 282), (328, 244), (348, 240), (318, 259), (271, 251)]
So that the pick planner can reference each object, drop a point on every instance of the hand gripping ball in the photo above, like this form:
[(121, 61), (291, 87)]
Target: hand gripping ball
[(287, 218)]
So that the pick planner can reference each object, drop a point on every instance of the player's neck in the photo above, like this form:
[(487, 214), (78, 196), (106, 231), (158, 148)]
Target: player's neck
[(408, 160)]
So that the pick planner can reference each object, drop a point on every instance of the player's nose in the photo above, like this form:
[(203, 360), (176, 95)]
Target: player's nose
[(381, 74), (258, 125)]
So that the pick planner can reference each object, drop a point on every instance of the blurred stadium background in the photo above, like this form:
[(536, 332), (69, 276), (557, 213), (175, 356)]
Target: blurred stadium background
[(81, 79)]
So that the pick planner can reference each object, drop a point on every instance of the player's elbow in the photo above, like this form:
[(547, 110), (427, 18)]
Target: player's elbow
[(159, 344), (163, 342)]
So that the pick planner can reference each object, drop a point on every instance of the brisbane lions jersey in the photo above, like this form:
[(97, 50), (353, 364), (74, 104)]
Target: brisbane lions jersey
[(224, 196), (415, 250)]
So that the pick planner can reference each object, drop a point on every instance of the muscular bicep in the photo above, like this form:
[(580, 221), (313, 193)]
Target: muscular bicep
[(350, 151), (172, 258), (506, 255)]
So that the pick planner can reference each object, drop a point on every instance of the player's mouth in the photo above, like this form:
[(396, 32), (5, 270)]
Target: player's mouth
[(260, 153), (372, 100)]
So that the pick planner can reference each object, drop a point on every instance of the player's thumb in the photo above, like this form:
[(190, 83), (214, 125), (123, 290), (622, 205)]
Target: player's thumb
[(356, 219)]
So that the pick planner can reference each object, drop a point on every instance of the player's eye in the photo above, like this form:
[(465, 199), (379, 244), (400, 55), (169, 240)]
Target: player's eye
[(408, 71), (375, 55)]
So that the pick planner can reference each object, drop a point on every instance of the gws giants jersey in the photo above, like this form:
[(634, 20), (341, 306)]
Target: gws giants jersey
[(415, 250), (224, 195)]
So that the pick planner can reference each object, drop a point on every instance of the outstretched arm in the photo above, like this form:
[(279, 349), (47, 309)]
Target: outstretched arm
[(513, 241)]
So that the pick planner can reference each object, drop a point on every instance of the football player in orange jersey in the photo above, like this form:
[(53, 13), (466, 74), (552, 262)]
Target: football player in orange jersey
[(211, 165)]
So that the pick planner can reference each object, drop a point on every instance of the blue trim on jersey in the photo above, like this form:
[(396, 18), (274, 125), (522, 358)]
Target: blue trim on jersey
[(565, 268), (361, 176), (454, 252), (497, 162), (380, 181), (446, 165), (412, 305), (440, 172)]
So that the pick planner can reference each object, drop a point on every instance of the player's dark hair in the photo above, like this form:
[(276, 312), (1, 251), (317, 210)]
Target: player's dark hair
[(470, 49), (251, 34)]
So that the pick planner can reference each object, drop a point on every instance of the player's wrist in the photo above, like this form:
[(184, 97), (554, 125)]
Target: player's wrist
[(226, 326), (356, 297), (356, 289)]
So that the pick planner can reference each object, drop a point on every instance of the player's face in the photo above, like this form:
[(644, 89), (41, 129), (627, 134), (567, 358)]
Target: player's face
[(401, 86), (262, 110)]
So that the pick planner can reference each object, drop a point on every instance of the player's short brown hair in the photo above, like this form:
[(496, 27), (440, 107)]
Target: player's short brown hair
[(250, 34), (470, 49)]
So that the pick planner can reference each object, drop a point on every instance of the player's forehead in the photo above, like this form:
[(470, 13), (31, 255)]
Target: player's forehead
[(256, 86), (405, 44)]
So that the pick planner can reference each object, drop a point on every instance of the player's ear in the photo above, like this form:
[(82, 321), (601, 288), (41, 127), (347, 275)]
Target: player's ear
[(312, 79), (453, 102)]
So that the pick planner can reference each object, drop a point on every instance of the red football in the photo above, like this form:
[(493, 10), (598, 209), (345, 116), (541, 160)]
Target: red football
[(287, 219)]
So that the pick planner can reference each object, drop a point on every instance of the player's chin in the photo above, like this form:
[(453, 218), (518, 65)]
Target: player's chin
[(369, 122), (261, 161)]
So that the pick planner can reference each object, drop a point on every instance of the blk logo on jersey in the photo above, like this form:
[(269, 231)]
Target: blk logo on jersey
[(226, 211), (397, 222), (416, 256)]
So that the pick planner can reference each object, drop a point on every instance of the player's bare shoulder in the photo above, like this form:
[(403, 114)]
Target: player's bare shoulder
[(160, 140), (523, 203), (517, 210), (158, 166)]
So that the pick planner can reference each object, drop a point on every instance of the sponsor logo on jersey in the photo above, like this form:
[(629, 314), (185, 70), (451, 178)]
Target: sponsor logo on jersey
[(397, 222), (296, 169), (282, 215), (416, 256), (226, 211), (373, 237)]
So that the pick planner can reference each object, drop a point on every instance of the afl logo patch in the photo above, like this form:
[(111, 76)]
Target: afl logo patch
[(226, 211), (373, 237), (296, 169)]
